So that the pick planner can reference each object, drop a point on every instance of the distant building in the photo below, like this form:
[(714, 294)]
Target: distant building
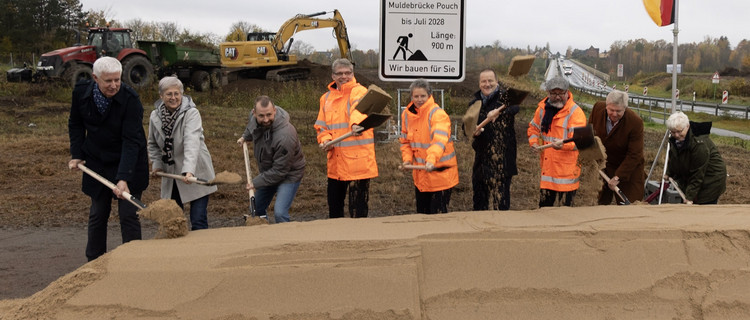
[(591, 52)]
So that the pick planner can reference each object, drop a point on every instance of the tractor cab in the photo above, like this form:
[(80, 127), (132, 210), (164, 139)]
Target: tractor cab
[(109, 41)]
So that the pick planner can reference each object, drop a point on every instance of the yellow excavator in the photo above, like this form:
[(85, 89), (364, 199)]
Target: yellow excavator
[(266, 53)]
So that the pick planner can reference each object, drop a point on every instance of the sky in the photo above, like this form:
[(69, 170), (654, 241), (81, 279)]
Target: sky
[(579, 24)]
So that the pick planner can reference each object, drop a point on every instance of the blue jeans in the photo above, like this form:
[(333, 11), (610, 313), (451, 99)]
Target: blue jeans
[(285, 193), (198, 209)]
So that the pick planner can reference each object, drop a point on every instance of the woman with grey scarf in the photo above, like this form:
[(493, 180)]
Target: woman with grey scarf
[(176, 146)]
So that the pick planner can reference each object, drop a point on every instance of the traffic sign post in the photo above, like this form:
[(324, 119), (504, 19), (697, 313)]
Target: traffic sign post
[(715, 80), (645, 91), (422, 39), (724, 97)]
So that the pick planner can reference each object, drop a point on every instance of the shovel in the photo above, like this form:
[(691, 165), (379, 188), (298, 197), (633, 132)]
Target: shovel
[(251, 192), (418, 167), (617, 189), (583, 137), (374, 101), (519, 66), (191, 179), (514, 97), (373, 120), (682, 194), (112, 186), (168, 215)]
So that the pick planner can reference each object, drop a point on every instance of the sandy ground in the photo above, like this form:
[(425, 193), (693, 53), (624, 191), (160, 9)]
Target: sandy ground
[(624, 262)]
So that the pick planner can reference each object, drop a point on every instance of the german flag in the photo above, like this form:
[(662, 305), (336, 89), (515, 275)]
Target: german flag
[(661, 11)]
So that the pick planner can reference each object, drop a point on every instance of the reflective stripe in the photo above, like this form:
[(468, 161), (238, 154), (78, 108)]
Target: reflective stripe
[(567, 119), (533, 136), (442, 159), (535, 125), (419, 145), (352, 143), (441, 132), (441, 145), (447, 157), (322, 124), (548, 139), (341, 125), (559, 181)]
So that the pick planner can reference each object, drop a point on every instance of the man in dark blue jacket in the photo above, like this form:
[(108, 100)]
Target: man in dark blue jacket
[(495, 146), (106, 132)]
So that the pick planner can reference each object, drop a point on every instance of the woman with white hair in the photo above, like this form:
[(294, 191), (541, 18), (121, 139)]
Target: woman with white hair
[(176, 146), (694, 161)]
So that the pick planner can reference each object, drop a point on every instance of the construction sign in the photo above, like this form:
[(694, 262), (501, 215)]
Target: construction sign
[(423, 39)]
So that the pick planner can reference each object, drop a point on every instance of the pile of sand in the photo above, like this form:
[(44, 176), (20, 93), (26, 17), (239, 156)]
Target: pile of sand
[(614, 262), (169, 216), (226, 177)]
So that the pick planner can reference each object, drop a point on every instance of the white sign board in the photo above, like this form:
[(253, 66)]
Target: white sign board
[(619, 70), (422, 39), (679, 68), (715, 78)]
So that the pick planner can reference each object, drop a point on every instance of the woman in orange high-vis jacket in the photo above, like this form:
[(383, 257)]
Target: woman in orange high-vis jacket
[(553, 121), (351, 162), (426, 140)]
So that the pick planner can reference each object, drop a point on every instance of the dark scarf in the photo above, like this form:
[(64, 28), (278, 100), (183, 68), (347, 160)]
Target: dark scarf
[(102, 102), (167, 125), (549, 113)]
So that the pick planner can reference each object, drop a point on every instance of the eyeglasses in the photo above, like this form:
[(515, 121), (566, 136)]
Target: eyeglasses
[(559, 94), (344, 73)]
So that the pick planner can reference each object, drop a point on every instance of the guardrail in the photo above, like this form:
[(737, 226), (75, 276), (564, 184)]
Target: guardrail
[(653, 103)]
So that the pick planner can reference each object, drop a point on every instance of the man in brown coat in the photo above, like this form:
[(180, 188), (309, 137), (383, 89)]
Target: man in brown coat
[(621, 132)]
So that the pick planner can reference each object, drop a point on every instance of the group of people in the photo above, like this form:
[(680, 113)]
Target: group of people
[(106, 133)]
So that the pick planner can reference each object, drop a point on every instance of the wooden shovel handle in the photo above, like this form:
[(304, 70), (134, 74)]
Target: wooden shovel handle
[(112, 186), (676, 187), (617, 189), (251, 192), (486, 121), (342, 137), (180, 177)]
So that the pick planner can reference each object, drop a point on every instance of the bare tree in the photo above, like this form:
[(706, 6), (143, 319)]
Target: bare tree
[(169, 31)]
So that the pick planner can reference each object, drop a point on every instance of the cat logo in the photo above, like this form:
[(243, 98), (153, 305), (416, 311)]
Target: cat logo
[(230, 52), (261, 50)]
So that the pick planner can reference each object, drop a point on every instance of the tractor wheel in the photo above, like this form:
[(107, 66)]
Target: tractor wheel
[(77, 72), (201, 81), (216, 78), (137, 72)]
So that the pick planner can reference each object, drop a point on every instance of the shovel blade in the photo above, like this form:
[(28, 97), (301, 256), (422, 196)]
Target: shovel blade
[(373, 120), (583, 137)]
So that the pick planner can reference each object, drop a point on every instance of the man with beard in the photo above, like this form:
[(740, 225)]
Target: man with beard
[(278, 151), (495, 147), (553, 121)]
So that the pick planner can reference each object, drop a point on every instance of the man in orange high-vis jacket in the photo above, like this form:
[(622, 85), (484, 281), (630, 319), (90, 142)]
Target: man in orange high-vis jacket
[(426, 140), (351, 162), (553, 121)]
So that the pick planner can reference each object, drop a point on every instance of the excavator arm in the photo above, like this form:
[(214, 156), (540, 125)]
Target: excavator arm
[(303, 22)]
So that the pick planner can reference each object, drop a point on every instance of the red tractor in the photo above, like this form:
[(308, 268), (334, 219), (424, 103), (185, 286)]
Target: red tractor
[(74, 63)]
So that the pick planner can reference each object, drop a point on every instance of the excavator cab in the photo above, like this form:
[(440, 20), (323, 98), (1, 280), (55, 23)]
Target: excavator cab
[(266, 53)]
